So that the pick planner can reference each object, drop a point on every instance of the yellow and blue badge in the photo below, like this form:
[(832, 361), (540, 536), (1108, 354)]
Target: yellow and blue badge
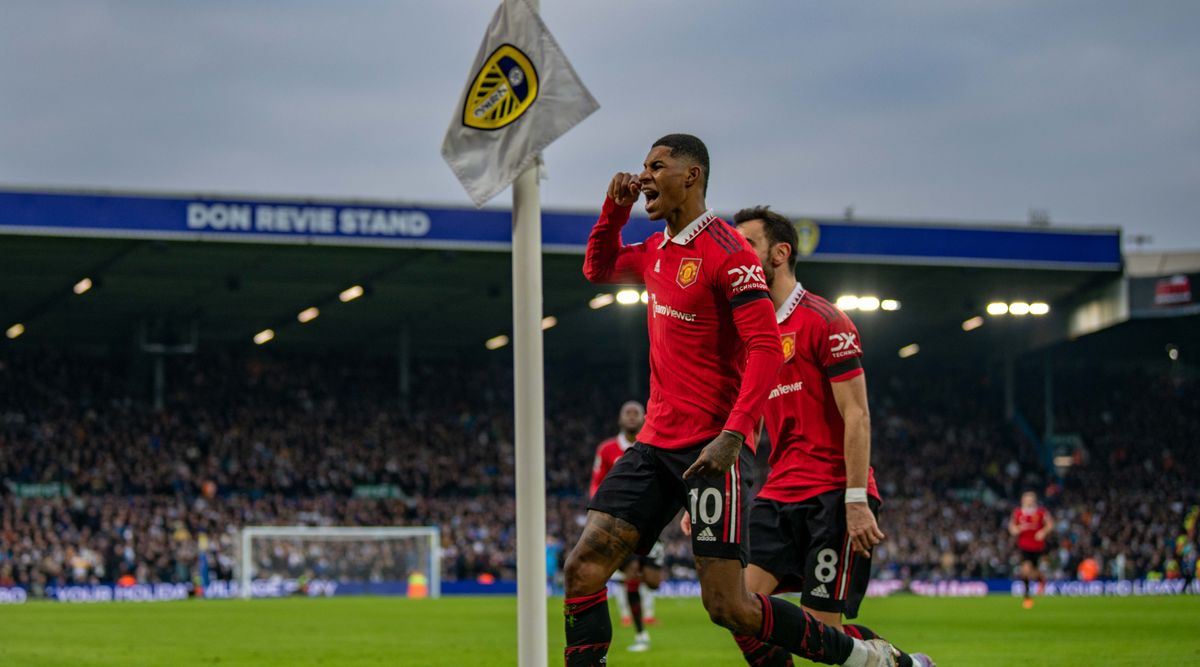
[(504, 89), (808, 233)]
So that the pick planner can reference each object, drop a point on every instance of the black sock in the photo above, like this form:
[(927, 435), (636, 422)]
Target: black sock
[(635, 607), (789, 626), (863, 632), (758, 654), (1027, 594), (589, 630)]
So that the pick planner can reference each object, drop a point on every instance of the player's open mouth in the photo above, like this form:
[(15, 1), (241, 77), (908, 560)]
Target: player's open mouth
[(651, 196)]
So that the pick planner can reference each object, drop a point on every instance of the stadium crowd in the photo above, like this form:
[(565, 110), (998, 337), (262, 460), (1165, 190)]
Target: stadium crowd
[(96, 485)]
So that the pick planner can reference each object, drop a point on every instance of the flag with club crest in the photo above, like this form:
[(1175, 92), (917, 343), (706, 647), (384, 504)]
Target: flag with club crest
[(522, 95)]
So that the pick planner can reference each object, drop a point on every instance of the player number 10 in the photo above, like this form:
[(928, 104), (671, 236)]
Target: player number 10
[(701, 505)]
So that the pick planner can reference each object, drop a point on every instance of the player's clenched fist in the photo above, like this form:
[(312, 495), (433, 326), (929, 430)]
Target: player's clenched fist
[(624, 189)]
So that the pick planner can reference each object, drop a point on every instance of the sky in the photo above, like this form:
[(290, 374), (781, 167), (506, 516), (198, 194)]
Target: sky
[(943, 110)]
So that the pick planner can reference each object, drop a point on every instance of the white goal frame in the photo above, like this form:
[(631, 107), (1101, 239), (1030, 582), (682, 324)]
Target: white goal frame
[(432, 533)]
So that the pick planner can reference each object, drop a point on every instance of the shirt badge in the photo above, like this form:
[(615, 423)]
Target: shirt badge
[(689, 271), (789, 345)]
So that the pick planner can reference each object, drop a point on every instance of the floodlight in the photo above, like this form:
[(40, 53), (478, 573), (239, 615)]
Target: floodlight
[(496, 342), (628, 297), (601, 300)]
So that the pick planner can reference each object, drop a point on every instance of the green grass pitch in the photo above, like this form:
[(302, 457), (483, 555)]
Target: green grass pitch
[(482, 631)]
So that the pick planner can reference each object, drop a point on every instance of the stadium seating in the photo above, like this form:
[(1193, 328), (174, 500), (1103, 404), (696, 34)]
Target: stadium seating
[(95, 484)]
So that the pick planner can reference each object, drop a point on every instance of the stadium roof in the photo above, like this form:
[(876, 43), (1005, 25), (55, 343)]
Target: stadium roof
[(453, 297)]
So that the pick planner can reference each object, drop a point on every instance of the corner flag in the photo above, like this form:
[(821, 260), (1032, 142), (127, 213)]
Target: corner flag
[(522, 95)]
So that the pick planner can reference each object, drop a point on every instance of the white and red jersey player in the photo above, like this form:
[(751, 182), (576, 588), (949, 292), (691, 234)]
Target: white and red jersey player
[(630, 419), (812, 525), (1030, 524), (606, 455), (820, 347)]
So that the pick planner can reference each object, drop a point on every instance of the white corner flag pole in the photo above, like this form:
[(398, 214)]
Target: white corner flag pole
[(530, 420), (530, 406)]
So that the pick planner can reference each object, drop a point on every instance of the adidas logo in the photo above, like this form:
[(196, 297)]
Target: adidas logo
[(820, 592), (706, 535)]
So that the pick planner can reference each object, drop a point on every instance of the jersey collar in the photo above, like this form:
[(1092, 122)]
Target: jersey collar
[(789, 306), (690, 232), (623, 442)]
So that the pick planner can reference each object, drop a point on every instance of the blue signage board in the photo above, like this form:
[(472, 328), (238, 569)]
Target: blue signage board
[(203, 218)]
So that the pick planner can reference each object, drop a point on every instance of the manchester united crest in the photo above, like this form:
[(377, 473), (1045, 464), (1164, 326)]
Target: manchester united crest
[(789, 345), (689, 271)]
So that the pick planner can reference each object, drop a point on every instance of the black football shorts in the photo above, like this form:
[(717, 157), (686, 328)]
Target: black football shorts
[(646, 488), (1034, 557), (806, 547)]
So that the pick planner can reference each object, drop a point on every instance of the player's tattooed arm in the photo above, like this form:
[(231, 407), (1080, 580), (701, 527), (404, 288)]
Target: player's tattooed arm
[(717, 456)]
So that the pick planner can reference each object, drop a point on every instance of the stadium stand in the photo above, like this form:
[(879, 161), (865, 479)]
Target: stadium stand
[(96, 485)]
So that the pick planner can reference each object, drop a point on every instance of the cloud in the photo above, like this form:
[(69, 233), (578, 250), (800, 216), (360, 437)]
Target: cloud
[(940, 109)]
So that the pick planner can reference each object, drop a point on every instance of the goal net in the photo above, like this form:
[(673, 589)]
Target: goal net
[(306, 560)]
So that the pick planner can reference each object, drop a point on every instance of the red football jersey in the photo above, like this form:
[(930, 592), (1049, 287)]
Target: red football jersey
[(606, 455), (709, 310), (1029, 523), (820, 347)]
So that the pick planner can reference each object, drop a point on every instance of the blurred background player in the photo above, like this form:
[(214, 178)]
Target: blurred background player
[(1030, 524), (640, 576), (813, 523)]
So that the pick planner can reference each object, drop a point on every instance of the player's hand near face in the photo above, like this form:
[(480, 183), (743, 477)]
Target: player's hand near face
[(860, 525), (717, 456), (624, 189)]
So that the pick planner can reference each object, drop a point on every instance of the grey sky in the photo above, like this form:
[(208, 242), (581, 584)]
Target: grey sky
[(936, 109)]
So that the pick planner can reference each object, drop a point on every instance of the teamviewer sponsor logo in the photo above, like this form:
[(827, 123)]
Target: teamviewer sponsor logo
[(784, 389), (667, 311), (845, 344)]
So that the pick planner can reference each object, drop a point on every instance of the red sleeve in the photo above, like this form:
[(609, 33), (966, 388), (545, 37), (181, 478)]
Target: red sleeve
[(599, 470), (839, 349), (741, 276), (607, 260)]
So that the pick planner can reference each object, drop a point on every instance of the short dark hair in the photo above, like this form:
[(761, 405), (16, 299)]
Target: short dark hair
[(690, 147), (777, 228)]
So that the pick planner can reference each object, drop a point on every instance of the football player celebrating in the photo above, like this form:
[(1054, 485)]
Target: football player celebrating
[(812, 525), (714, 356)]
